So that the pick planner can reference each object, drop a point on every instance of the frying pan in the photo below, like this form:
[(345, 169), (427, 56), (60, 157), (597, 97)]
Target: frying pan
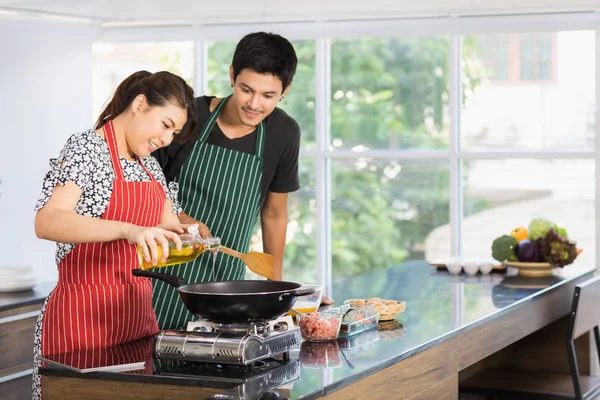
[(232, 302)]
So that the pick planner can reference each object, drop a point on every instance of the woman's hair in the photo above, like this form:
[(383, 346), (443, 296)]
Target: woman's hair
[(161, 88)]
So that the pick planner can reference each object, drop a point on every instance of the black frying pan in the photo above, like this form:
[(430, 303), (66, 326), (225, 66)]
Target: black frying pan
[(231, 302)]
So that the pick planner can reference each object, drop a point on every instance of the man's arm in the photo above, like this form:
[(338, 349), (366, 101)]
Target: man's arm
[(273, 219)]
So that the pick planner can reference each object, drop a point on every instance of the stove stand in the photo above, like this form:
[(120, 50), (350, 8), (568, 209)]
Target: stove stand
[(229, 344)]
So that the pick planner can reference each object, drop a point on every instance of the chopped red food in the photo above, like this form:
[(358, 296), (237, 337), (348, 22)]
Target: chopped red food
[(316, 327)]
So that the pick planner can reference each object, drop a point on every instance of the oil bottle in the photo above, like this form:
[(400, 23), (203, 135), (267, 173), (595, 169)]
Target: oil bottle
[(192, 245)]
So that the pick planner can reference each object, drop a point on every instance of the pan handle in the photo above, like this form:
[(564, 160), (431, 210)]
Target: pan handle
[(297, 292), (172, 280)]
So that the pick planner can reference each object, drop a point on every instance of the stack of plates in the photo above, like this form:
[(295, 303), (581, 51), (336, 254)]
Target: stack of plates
[(16, 278)]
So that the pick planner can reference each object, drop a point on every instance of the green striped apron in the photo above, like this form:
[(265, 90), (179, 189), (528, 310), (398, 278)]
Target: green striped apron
[(221, 188)]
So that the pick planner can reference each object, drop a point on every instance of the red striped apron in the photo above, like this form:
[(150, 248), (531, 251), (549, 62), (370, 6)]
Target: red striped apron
[(97, 302)]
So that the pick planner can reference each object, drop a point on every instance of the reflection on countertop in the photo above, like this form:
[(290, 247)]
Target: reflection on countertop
[(439, 306)]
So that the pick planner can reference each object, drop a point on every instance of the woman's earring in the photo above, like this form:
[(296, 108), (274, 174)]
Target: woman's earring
[(232, 85), (281, 99)]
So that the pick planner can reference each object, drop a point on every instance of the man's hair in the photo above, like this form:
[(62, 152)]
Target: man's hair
[(266, 53)]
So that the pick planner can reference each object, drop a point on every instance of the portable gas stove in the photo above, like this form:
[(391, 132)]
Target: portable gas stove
[(232, 344)]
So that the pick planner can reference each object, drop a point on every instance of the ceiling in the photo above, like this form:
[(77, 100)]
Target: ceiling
[(124, 13)]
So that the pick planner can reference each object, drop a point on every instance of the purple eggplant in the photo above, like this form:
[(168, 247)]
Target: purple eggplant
[(527, 251)]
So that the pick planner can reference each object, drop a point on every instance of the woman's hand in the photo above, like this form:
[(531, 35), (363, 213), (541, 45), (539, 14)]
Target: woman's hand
[(174, 227), (148, 240), (181, 228)]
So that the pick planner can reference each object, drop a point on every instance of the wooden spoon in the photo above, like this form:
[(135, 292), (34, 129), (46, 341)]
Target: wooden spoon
[(259, 263)]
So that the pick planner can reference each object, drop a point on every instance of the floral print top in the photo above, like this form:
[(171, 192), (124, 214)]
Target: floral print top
[(85, 161)]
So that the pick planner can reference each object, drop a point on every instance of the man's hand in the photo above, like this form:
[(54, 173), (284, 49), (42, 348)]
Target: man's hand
[(202, 229), (326, 301)]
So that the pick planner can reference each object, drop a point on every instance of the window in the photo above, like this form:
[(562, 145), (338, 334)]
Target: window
[(513, 59), (536, 116), (525, 127), (115, 62), (538, 57), (389, 93), (384, 211), (501, 192)]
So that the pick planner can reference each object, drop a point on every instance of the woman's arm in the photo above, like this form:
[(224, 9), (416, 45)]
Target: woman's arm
[(58, 221)]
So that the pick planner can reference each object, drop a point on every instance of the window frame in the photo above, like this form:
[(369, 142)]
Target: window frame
[(455, 27)]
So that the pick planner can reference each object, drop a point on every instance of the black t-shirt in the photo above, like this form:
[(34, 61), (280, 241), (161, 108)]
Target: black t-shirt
[(280, 157)]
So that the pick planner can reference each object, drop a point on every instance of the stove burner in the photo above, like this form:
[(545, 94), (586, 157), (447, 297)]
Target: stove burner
[(258, 328), (263, 329)]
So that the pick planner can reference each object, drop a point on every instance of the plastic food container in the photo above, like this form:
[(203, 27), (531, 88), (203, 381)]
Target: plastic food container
[(354, 328), (309, 303), (319, 355), (359, 343), (352, 314), (355, 321), (319, 326)]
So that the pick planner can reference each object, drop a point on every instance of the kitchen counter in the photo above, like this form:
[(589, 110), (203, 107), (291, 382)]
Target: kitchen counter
[(18, 315), (450, 324), (38, 294)]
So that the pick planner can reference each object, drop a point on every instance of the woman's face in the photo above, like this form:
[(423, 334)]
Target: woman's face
[(153, 127)]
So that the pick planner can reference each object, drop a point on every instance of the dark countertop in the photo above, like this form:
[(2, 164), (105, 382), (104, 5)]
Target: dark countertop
[(438, 307), (38, 294)]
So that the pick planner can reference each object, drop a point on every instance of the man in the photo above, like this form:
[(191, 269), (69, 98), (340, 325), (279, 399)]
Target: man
[(242, 164)]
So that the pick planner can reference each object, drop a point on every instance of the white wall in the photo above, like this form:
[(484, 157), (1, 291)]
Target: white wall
[(244, 11), (45, 96)]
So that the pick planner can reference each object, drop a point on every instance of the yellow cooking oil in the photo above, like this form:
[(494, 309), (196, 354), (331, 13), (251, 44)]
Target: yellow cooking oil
[(186, 254), (192, 245), (301, 311)]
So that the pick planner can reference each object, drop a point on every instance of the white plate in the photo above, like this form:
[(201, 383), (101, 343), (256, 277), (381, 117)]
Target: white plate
[(18, 285), (15, 270)]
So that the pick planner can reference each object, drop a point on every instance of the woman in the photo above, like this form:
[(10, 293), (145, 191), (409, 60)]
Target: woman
[(103, 196)]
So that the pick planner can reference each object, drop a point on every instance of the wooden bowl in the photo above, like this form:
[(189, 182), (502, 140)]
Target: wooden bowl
[(531, 269)]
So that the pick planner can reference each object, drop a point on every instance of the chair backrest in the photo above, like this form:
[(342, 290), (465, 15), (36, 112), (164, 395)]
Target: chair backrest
[(585, 309)]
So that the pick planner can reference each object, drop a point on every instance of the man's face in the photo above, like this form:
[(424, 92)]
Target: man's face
[(255, 95)]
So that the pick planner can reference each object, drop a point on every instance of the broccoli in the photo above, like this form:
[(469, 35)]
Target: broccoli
[(503, 248), (557, 249)]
